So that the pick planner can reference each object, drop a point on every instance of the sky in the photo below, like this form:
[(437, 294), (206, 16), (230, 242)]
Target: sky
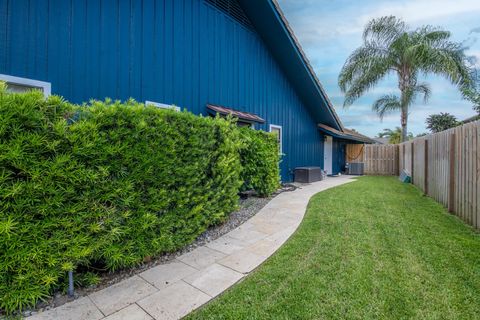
[(329, 30)]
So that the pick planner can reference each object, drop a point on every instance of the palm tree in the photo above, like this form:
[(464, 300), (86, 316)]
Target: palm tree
[(389, 47), (441, 122), (394, 136), (390, 102)]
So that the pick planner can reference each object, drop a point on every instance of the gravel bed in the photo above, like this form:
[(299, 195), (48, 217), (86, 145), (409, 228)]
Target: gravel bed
[(249, 206)]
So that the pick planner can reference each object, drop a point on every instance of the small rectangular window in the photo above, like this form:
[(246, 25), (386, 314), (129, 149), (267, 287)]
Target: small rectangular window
[(18, 84), (162, 105), (241, 123), (277, 130)]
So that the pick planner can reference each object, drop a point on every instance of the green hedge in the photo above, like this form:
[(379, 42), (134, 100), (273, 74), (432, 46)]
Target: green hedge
[(259, 157), (110, 185)]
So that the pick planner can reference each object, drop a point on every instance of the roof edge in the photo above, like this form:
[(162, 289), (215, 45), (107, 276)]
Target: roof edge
[(241, 115), (306, 61), (346, 134)]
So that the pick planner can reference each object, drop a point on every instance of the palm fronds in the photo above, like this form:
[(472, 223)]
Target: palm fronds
[(386, 104), (390, 47)]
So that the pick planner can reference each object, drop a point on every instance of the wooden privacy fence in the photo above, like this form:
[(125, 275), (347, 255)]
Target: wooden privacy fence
[(445, 166), (378, 159)]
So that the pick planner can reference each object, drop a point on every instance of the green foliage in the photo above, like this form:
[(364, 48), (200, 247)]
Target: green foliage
[(390, 47), (472, 93), (423, 134), (441, 122), (84, 280), (260, 157), (475, 99), (394, 136), (88, 279), (110, 184), (390, 103)]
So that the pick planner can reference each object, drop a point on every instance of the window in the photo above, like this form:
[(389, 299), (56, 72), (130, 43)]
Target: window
[(277, 130), (241, 123), (162, 105), (17, 84)]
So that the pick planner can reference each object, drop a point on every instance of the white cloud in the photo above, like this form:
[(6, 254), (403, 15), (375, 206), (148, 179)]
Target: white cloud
[(317, 25), (331, 30), (476, 55), (420, 11)]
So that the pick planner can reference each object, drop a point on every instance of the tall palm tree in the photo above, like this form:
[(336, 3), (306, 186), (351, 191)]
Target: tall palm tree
[(390, 47)]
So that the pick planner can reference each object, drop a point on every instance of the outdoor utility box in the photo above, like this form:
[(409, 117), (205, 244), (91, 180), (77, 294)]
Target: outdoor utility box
[(405, 176), (308, 174), (356, 169)]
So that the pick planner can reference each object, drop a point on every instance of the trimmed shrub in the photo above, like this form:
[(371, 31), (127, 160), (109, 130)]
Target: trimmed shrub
[(260, 161), (107, 185)]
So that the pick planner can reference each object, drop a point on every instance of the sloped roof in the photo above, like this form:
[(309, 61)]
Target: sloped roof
[(242, 115), (472, 119), (307, 61), (346, 134), (381, 140), (271, 24)]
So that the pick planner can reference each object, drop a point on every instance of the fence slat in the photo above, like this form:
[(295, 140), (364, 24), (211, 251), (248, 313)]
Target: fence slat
[(451, 175), (425, 166), (445, 165), (477, 177)]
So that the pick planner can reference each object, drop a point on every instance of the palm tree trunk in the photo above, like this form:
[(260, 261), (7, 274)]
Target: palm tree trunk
[(404, 83), (404, 121)]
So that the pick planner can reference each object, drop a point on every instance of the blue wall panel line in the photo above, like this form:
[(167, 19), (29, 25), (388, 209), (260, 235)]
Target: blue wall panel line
[(182, 52)]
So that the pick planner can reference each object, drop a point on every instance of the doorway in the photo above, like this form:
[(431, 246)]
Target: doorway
[(327, 155)]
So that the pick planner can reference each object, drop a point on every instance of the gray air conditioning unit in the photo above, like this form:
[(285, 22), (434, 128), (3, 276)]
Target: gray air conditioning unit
[(356, 169), (308, 174)]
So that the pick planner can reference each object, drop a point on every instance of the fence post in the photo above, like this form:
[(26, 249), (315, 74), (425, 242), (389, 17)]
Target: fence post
[(451, 191), (412, 161), (397, 150), (425, 167)]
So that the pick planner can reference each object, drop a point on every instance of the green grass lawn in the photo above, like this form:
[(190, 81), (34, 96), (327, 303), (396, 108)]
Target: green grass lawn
[(372, 249)]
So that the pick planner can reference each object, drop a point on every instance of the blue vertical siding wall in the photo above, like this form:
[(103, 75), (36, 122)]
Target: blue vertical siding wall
[(338, 155), (181, 52)]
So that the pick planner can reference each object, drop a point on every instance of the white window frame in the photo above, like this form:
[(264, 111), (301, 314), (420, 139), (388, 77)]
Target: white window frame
[(274, 126), (162, 105), (46, 87)]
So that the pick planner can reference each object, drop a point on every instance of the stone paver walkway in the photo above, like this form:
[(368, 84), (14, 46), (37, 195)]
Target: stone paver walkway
[(172, 290)]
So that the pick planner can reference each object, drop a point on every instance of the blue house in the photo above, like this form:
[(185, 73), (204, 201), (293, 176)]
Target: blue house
[(206, 56)]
